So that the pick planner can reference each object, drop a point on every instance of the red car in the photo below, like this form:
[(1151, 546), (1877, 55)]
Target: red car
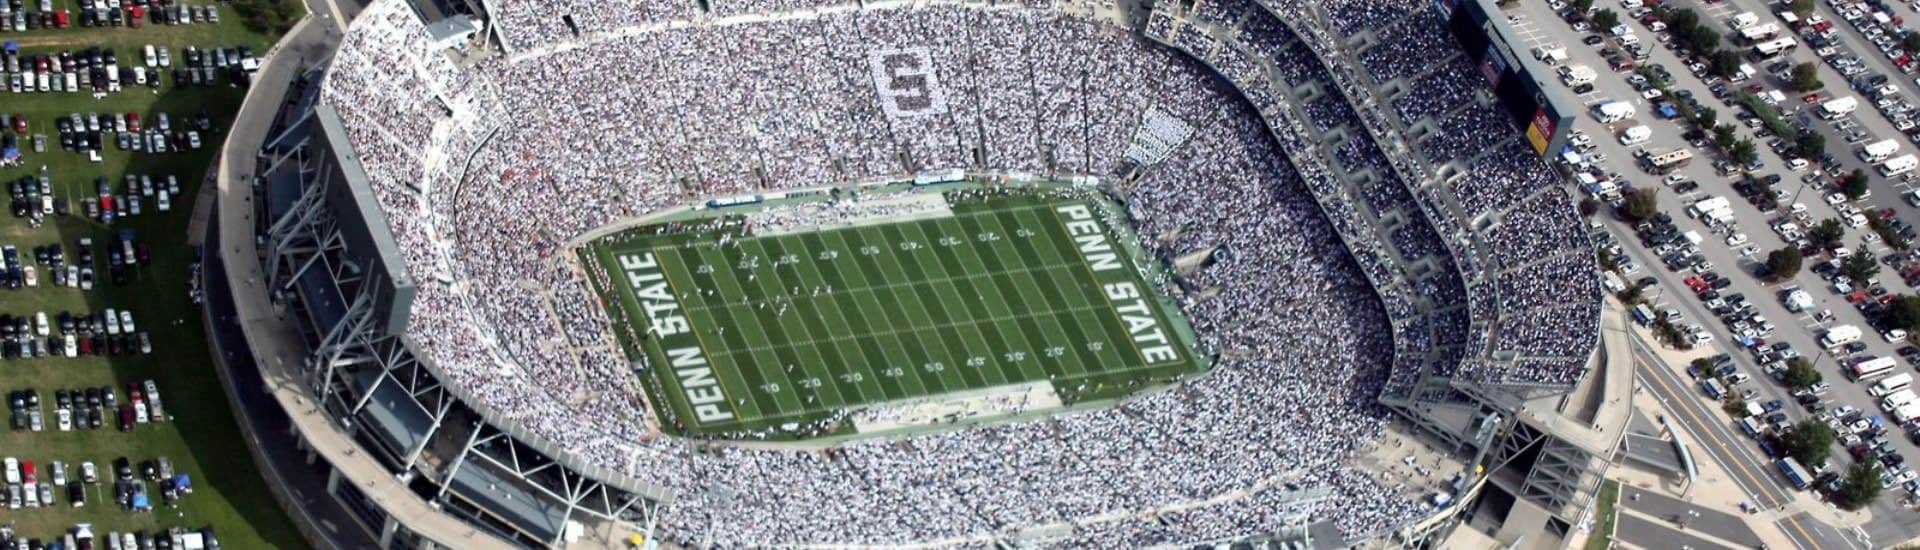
[(1696, 283), (133, 121), (60, 18), (26, 472), (134, 15), (20, 123)]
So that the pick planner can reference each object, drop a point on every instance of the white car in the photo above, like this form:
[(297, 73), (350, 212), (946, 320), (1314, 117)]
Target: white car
[(151, 55), (13, 470), (1737, 239), (59, 472), (126, 321), (88, 472), (40, 323), (1836, 198), (64, 418)]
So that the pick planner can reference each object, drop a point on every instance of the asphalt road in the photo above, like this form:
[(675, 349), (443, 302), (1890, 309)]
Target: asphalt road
[(1712, 435)]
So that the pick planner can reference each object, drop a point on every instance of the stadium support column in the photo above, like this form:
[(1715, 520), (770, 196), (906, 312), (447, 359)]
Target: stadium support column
[(344, 345), (439, 418), (276, 151), (473, 440), (398, 366), (297, 238)]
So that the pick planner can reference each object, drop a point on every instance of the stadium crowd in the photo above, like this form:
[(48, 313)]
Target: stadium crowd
[(484, 184)]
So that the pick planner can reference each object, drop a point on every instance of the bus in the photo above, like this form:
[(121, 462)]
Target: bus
[(1668, 161), (1713, 389), (1868, 368), (1899, 165), (1898, 399), (1891, 384), (726, 202), (1879, 150), (1777, 46), (1795, 473)]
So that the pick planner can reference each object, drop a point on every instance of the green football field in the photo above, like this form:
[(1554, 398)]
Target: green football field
[(746, 332)]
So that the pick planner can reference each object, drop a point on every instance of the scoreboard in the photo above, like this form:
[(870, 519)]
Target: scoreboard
[(1517, 80)]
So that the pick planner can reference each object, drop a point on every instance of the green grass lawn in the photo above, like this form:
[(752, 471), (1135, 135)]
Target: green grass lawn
[(792, 327), (1603, 513), (202, 438)]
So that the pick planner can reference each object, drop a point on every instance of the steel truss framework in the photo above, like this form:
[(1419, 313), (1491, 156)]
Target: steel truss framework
[(350, 360)]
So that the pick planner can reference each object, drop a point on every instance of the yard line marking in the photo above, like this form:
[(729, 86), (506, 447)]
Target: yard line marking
[(810, 350), (909, 330), (983, 290), (884, 287), (873, 306)]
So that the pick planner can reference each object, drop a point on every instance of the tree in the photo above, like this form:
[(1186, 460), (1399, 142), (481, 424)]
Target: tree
[(1912, 42), (1589, 207), (1607, 260), (1605, 19), (1801, 374), (1642, 204), (1860, 267), (1784, 263), (1703, 39), (1810, 442), (1811, 144), (1723, 135), (1631, 294), (1725, 63), (1806, 77), (1705, 116), (1827, 234), (1802, 8), (1862, 485), (1744, 153), (1583, 5), (1903, 312), (1682, 18), (1855, 185)]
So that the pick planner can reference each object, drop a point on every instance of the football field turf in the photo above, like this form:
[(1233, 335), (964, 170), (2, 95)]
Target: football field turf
[(747, 332)]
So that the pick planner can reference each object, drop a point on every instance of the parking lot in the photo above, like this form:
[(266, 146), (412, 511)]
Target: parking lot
[(97, 315), (1702, 266)]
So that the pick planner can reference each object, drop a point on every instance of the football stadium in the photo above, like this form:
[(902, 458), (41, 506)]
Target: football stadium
[(936, 273)]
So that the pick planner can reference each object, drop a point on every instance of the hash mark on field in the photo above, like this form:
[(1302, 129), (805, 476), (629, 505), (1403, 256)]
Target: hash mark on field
[(707, 243), (708, 305), (974, 321)]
